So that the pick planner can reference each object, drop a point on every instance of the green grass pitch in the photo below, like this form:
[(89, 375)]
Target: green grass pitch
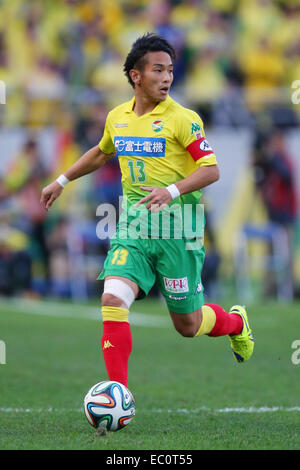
[(189, 392)]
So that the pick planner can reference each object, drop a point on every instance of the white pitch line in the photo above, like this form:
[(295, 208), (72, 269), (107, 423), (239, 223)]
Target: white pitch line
[(251, 409), (81, 311)]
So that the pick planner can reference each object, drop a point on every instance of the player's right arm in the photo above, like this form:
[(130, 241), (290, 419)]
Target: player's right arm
[(90, 161)]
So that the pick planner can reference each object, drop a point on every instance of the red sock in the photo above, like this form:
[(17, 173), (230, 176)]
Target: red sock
[(226, 323), (116, 347)]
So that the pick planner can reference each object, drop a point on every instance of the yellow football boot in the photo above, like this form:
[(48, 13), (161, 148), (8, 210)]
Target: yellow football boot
[(242, 345)]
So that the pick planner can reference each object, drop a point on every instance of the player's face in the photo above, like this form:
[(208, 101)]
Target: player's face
[(157, 76)]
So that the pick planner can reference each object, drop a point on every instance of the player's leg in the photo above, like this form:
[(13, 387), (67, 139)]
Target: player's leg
[(117, 298), (187, 324), (214, 321), (210, 320), (127, 275), (180, 283), (235, 324)]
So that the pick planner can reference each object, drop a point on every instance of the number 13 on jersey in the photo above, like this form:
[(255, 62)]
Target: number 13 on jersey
[(137, 171)]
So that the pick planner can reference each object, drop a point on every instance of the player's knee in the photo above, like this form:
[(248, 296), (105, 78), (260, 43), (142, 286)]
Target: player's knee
[(186, 330), (187, 324), (110, 300), (117, 293)]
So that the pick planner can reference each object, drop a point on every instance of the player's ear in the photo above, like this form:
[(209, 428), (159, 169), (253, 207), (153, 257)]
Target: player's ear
[(135, 76)]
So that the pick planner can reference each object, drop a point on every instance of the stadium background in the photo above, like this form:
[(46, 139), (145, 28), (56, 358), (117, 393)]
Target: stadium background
[(61, 63)]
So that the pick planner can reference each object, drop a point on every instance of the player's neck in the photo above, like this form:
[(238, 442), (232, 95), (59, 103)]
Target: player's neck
[(143, 105)]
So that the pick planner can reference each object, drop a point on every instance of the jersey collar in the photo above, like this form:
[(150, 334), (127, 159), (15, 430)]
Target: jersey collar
[(159, 108)]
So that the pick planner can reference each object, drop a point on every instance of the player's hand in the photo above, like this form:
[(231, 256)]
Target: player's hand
[(157, 199), (49, 194)]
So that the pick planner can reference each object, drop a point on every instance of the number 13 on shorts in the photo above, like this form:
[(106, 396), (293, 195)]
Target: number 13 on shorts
[(120, 257)]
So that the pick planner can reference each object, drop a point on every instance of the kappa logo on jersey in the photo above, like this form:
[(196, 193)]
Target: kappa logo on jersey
[(140, 146), (158, 126), (195, 128), (176, 285)]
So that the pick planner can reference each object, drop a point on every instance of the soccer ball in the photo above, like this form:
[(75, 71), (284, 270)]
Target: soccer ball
[(109, 405)]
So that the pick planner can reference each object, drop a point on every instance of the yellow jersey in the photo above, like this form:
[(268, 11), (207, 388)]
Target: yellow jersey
[(156, 149)]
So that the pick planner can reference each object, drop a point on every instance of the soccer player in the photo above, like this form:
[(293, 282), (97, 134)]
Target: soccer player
[(165, 161)]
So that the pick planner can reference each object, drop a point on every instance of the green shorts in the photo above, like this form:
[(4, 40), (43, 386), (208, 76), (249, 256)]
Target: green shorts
[(168, 262)]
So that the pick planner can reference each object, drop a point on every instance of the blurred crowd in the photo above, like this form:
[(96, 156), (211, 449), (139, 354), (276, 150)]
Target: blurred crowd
[(62, 64), (59, 55)]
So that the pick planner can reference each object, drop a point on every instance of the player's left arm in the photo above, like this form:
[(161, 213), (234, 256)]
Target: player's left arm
[(160, 197), (200, 178)]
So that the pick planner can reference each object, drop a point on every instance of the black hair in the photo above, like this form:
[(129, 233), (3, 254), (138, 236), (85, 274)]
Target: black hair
[(150, 42)]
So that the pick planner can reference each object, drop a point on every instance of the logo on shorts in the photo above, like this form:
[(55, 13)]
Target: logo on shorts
[(198, 288), (176, 285), (183, 297)]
